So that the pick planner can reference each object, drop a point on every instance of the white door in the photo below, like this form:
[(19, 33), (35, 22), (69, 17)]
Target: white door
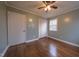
[(16, 28), (42, 28)]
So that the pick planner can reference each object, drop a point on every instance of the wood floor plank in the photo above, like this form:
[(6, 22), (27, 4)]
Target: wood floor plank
[(44, 47)]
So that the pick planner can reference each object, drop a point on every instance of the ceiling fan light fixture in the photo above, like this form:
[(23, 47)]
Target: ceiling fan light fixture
[(45, 9), (48, 7)]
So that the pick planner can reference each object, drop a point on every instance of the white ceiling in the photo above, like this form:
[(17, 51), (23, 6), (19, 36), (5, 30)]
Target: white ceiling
[(31, 6)]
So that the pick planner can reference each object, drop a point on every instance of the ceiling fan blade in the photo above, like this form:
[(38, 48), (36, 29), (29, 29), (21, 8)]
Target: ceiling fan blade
[(41, 7), (48, 2), (55, 7), (44, 3)]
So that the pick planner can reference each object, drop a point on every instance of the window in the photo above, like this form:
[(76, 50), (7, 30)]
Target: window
[(53, 25)]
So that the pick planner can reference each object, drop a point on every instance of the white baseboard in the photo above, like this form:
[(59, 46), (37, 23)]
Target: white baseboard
[(1, 55), (16, 44), (73, 44), (32, 40), (35, 39), (5, 50)]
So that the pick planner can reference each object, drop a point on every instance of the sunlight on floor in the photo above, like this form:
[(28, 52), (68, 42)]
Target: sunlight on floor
[(53, 50)]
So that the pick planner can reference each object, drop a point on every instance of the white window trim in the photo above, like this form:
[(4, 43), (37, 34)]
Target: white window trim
[(53, 29)]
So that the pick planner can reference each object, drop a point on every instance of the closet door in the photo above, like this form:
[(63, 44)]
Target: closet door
[(42, 28), (16, 28)]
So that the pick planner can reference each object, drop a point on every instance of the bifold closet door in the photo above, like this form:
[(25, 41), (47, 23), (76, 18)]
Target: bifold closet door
[(16, 28)]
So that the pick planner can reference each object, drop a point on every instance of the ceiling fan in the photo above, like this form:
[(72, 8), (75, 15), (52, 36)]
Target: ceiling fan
[(48, 5)]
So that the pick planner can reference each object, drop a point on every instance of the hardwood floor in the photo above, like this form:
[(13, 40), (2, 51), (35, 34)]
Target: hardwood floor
[(44, 47)]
